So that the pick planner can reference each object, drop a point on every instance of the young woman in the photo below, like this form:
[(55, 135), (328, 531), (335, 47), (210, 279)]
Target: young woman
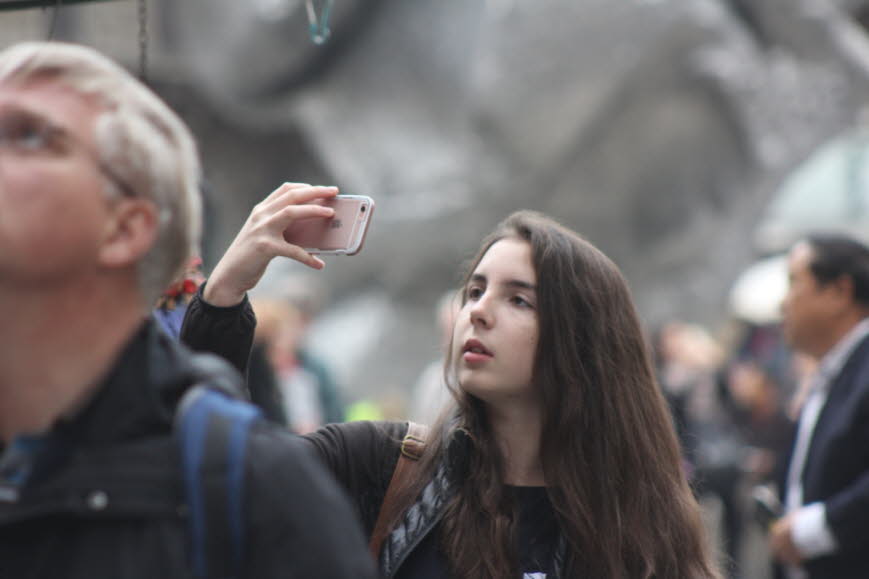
[(559, 458)]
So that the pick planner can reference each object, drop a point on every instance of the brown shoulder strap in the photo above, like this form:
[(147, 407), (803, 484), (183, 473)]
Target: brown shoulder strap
[(412, 448)]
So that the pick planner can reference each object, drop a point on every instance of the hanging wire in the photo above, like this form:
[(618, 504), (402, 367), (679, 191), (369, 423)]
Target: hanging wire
[(55, 13), (143, 40), (318, 26)]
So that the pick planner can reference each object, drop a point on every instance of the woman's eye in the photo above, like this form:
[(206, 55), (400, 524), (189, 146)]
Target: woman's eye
[(520, 301), (474, 293)]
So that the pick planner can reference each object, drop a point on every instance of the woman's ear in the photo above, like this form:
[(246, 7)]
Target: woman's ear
[(130, 233)]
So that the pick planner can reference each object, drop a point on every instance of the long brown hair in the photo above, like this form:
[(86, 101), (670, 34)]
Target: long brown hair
[(609, 452)]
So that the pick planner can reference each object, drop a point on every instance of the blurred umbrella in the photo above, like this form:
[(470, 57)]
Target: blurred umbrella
[(829, 191), (757, 293)]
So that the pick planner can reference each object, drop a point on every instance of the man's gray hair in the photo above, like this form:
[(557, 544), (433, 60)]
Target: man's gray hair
[(145, 145)]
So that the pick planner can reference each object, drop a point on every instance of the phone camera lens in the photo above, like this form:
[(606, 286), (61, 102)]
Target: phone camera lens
[(362, 209)]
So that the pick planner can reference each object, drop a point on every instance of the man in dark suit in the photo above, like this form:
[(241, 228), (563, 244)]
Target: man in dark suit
[(824, 533)]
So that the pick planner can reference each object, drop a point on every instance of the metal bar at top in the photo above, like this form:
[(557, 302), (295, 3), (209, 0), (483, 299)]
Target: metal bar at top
[(7, 5)]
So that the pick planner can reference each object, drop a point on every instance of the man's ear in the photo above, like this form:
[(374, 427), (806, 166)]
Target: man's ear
[(843, 288), (130, 233)]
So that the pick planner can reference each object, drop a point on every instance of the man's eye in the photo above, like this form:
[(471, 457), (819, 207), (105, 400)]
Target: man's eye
[(24, 135), (30, 140)]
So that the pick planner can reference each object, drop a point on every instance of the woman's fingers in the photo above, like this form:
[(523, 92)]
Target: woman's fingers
[(297, 253), (261, 239), (297, 194), (301, 195), (291, 213), (285, 187)]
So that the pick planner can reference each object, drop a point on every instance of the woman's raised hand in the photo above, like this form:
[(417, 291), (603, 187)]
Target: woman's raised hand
[(261, 239)]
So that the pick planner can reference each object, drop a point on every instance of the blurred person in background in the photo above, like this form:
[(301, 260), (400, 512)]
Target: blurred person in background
[(753, 398), (560, 458), (823, 533), (99, 212), (430, 394), (686, 358), (300, 386), (261, 381), (171, 306), (759, 407), (688, 364), (731, 417)]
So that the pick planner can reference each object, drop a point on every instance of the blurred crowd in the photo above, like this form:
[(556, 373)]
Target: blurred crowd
[(734, 402)]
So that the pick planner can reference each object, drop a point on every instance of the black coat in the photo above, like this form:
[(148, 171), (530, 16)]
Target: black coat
[(362, 456), (837, 470), (104, 498)]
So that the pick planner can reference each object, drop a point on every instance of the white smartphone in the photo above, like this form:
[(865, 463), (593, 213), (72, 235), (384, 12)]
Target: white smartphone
[(342, 234)]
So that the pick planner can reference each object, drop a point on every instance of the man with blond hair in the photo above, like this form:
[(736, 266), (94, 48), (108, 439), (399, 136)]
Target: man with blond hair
[(99, 212)]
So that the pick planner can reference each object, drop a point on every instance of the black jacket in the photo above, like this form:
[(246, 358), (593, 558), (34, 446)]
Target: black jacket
[(104, 497), (836, 470), (361, 455)]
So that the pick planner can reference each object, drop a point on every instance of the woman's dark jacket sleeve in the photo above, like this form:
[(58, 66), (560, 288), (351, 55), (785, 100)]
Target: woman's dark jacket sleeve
[(361, 455), (227, 332)]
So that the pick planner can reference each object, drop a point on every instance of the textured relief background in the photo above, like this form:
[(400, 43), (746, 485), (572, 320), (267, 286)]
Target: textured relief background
[(660, 129)]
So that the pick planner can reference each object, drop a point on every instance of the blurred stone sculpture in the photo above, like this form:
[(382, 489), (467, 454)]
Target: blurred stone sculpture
[(656, 127)]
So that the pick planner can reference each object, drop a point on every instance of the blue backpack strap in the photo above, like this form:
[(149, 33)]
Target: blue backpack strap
[(212, 430)]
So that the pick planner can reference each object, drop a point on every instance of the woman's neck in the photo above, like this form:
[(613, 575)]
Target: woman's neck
[(517, 433)]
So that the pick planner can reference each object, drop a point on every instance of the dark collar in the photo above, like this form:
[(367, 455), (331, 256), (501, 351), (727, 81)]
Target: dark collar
[(138, 393), (136, 398)]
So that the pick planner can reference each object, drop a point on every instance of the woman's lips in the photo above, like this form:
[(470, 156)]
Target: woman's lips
[(473, 358), (474, 352)]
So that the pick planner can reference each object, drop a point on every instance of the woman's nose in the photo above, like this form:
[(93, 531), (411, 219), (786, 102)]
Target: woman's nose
[(480, 312)]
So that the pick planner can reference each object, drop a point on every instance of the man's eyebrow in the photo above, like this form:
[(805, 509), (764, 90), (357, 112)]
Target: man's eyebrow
[(515, 283), (14, 108), (30, 114)]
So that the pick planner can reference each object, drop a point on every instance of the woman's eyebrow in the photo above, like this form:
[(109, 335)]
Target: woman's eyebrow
[(511, 283), (518, 283)]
